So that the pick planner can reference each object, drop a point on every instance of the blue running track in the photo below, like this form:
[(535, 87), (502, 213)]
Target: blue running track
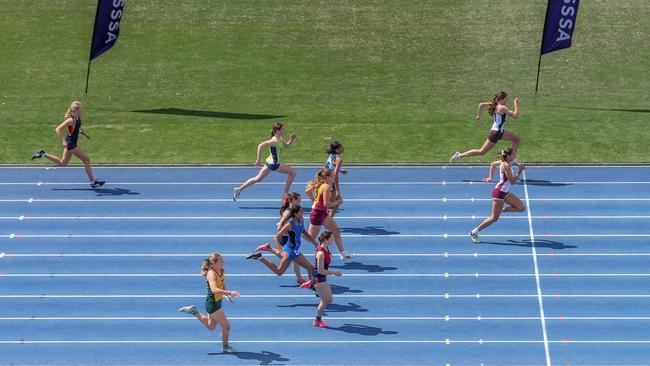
[(94, 277)]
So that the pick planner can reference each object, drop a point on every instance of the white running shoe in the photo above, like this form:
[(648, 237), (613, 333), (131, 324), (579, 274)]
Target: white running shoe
[(235, 194), (345, 255), (474, 237), (188, 309), (456, 157)]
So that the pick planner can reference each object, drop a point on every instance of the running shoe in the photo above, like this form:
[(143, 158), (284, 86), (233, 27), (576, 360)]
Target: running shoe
[(300, 281), (320, 324), (235, 194), (474, 237), (188, 309), (97, 183), (228, 349), (256, 255), (345, 255), (306, 284), (264, 247), (39, 154), (456, 157)]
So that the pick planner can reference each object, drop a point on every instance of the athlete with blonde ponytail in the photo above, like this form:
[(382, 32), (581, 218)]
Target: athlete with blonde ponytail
[(319, 192), (212, 270), (499, 111), (72, 124)]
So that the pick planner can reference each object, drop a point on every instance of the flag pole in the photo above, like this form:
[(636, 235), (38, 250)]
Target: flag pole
[(541, 49), (539, 64), (90, 56)]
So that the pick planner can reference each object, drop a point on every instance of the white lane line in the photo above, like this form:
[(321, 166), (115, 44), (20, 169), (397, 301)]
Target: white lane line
[(537, 274), (390, 255), (374, 237), (311, 296), (373, 200), (341, 217), (275, 318), (256, 275), (303, 341), (346, 183)]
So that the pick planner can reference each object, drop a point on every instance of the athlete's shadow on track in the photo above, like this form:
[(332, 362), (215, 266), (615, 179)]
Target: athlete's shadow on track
[(368, 230), (265, 357), (336, 290), (539, 243), (372, 268), (363, 330), (530, 182), (102, 191), (331, 308)]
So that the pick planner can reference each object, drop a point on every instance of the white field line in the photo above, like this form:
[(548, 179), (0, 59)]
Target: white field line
[(374, 200), (537, 274), (347, 296), (341, 217), (257, 275), (395, 318)]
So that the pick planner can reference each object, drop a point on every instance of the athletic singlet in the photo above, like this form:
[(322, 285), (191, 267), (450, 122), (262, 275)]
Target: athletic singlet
[(220, 284), (319, 202), (499, 122), (73, 132), (504, 183), (274, 154), (330, 161), (317, 277), (294, 235)]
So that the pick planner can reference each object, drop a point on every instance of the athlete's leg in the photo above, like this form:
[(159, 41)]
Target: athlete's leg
[(497, 207), (516, 140), (220, 317), (79, 153), (515, 204), (62, 161), (256, 179), (487, 146), (325, 293), (287, 169), (278, 269)]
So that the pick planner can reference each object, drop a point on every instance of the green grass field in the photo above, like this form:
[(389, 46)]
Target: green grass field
[(395, 81)]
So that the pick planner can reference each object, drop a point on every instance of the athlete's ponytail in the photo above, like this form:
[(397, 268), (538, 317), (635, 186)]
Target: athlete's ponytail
[(205, 266), (324, 236), (505, 152), (276, 127), (335, 145), (495, 101), (320, 178), (73, 107), (286, 200)]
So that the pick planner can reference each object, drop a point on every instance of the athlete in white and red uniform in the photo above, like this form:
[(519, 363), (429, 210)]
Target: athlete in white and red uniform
[(501, 193)]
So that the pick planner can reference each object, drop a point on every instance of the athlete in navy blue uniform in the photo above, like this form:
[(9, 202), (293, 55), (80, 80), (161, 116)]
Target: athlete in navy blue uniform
[(72, 123), (272, 162), (499, 111)]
